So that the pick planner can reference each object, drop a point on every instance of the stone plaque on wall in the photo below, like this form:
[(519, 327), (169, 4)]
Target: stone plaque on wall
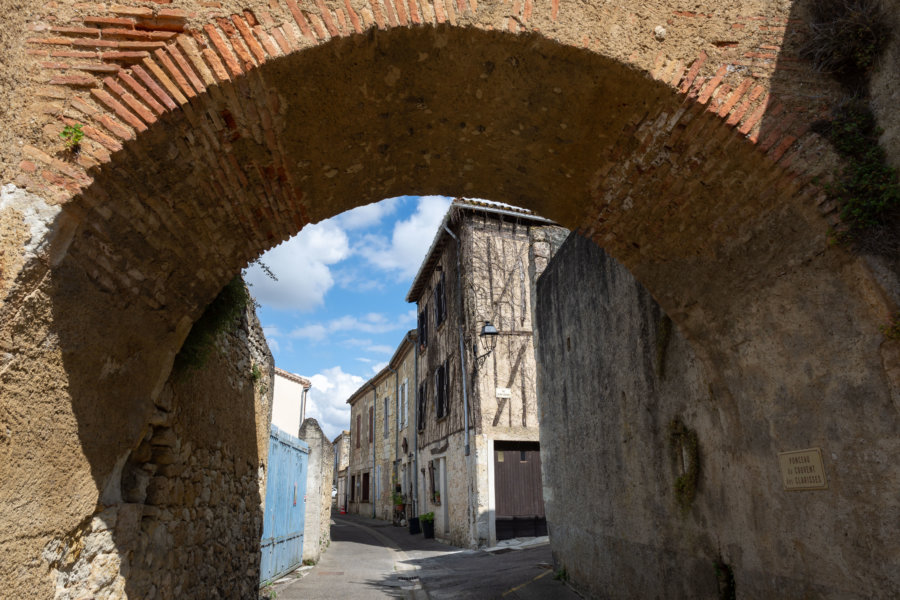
[(802, 470), (504, 392)]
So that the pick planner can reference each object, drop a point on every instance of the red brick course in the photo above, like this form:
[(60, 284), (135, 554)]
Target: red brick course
[(140, 62)]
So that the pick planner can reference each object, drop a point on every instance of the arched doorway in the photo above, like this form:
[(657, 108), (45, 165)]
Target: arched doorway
[(235, 141)]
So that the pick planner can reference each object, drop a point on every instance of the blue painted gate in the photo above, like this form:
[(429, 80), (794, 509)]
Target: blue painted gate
[(282, 537)]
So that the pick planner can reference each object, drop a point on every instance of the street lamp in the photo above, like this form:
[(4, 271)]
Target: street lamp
[(488, 337)]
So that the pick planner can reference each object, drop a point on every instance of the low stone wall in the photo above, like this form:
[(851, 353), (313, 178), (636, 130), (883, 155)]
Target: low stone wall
[(633, 512), (317, 523), (183, 519)]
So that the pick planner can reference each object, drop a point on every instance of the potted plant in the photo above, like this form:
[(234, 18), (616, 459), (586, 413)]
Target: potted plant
[(427, 521), (414, 525), (397, 497)]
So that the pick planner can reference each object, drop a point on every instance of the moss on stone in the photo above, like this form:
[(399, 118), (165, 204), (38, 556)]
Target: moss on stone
[(222, 315)]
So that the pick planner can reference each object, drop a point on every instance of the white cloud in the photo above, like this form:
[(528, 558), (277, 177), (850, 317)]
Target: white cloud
[(368, 346), (378, 366), (302, 267), (373, 323), (410, 240), (327, 401), (315, 331), (380, 349), (355, 280), (367, 216)]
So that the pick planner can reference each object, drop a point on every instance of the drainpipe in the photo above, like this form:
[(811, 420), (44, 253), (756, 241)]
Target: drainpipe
[(462, 353), (303, 404), (396, 414), (372, 482), (416, 427)]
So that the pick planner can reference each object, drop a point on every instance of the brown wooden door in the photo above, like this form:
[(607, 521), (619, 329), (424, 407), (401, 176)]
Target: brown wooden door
[(519, 508)]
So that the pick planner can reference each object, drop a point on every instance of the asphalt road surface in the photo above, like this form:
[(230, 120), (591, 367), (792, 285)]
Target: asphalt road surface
[(372, 559)]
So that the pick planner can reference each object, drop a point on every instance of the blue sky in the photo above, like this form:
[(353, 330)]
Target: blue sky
[(338, 310)]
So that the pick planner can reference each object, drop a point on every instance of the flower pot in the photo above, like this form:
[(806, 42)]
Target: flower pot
[(414, 525), (428, 528)]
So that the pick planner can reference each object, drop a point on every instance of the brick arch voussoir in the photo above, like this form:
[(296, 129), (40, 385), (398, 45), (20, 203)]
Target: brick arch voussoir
[(121, 70)]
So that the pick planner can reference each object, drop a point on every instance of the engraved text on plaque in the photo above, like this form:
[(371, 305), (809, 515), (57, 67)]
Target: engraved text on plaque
[(802, 470)]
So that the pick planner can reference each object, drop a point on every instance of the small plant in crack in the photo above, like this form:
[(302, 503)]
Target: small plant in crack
[(867, 189), (72, 135), (846, 37), (892, 330)]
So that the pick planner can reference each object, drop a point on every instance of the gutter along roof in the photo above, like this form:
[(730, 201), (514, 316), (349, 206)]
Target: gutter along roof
[(294, 377), (458, 206)]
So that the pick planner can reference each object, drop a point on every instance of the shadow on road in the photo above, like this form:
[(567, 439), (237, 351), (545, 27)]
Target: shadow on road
[(447, 572)]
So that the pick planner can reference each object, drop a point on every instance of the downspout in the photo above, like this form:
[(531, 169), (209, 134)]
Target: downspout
[(397, 426), (416, 428), (303, 405), (372, 483)]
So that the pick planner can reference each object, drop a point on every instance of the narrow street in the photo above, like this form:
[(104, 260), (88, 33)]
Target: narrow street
[(369, 558)]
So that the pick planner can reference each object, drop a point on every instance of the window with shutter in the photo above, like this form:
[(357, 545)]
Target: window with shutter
[(440, 391), (371, 424), (443, 298), (387, 413), (420, 416), (404, 415), (446, 392), (358, 429), (440, 301), (421, 328)]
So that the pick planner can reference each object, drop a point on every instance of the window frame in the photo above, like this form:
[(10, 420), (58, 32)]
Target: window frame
[(442, 390), (404, 404), (440, 302), (422, 405)]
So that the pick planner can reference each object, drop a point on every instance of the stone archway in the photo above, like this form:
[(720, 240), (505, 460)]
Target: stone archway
[(226, 132)]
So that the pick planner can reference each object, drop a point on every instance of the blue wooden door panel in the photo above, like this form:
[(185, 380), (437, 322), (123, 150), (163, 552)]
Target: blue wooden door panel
[(282, 537)]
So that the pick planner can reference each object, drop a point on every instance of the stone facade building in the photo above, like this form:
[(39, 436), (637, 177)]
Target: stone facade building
[(341, 445), (477, 418), (381, 452)]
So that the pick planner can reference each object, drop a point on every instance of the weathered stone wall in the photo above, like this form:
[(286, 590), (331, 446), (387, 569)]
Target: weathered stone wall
[(184, 518), (317, 521), (611, 384)]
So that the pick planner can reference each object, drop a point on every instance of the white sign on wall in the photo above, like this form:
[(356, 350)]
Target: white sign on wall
[(504, 392)]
